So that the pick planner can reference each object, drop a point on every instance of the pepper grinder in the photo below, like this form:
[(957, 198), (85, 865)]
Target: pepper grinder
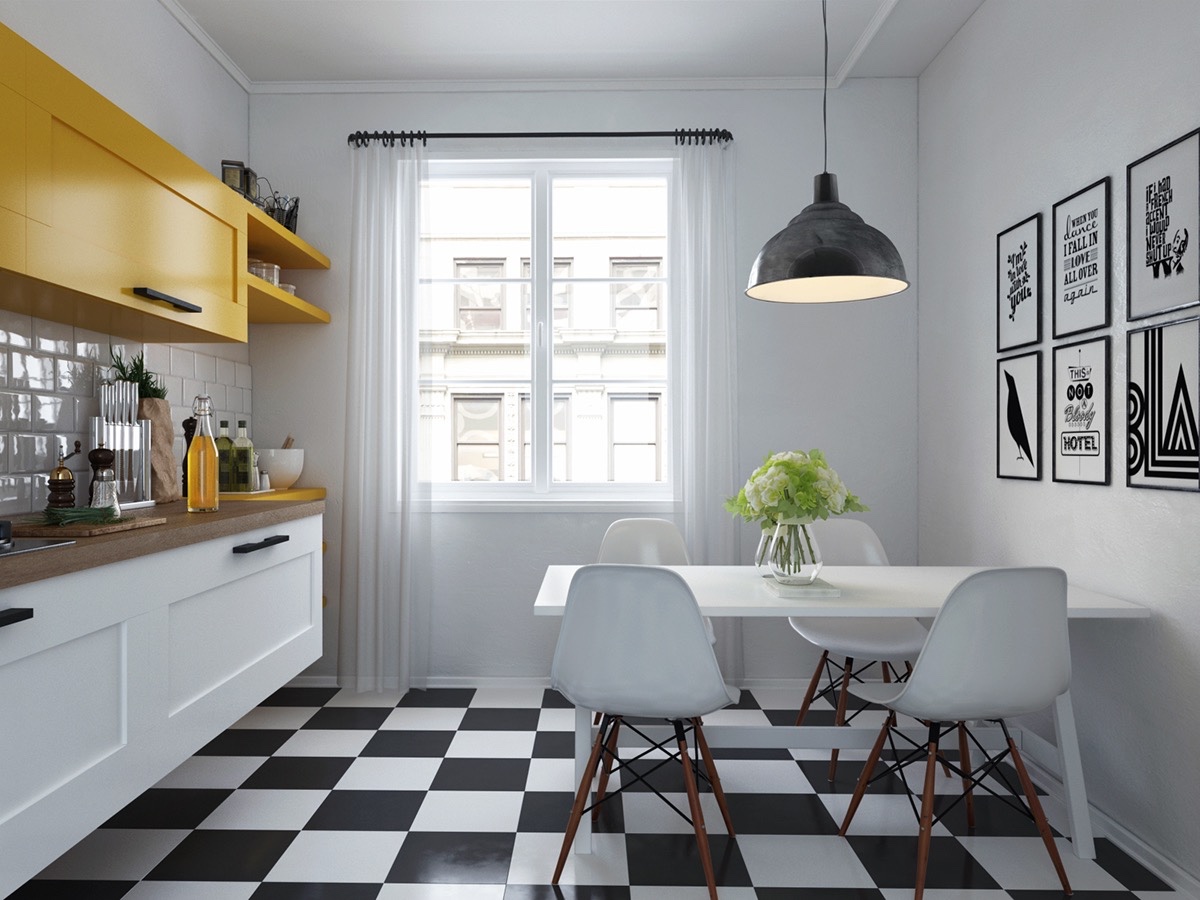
[(102, 492), (62, 482), (189, 432)]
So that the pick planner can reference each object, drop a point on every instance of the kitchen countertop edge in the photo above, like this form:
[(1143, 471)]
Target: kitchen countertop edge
[(181, 529)]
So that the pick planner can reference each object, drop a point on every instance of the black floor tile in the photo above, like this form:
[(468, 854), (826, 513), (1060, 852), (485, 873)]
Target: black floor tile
[(310, 773), (481, 775), (246, 742), (796, 893), (1132, 874), (300, 696), (453, 858), (282, 890), (216, 855), (891, 862), (488, 719), (993, 816), (720, 753), (745, 701), (780, 814), (565, 892), (366, 811), (554, 745), (552, 699), (53, 889), (812, 717), (846, 778), (169, 808), (1078, 895), (548, 811), (410, 743), (674, 859), (362, 718), (454, 698)]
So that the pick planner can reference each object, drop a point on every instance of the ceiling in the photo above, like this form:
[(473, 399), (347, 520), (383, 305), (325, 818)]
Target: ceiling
[(364, 44)]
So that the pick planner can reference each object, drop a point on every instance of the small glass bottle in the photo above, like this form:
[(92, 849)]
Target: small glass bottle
[(243, 459), (202, 460), (225, 458)]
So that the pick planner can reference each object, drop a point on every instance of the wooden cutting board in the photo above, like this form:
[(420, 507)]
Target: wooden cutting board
[(38, 528)]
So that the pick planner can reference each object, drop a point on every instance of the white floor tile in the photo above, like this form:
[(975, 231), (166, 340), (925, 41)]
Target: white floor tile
[(534, 857), (755, 776), (508, 698), (338, 856), (269, 810), (1022, 863), (326, 742), (679, 892), (276, 717), (737, 717), (423, 719), (556, 720), (212, 772), (802, 861), (442, 892), (469, 811), (944, 894), (116, 854), (879, 814), (389, 773), (551, 775), (491, 745), (348, 697), (192, 890)]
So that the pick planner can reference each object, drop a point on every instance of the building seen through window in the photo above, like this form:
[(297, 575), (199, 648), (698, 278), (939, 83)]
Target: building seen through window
[(543, 323)]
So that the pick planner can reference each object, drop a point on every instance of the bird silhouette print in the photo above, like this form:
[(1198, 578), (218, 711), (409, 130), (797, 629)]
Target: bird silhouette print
[(1016, 420)]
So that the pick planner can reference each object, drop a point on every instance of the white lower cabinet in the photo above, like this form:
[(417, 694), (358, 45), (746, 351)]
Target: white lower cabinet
[(125, 670)]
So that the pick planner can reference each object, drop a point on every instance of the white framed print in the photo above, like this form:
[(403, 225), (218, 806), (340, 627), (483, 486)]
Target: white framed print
[(1163, 233), (1019, 417), (1164, 406), (1082, 260), (1019, 284), (1080, 410)]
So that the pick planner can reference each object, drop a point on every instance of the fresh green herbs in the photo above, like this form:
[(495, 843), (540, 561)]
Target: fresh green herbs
[(149, 384), (79, 515)]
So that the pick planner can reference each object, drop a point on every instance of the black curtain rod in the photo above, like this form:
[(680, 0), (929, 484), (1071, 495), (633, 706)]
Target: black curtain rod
[(405, 138)]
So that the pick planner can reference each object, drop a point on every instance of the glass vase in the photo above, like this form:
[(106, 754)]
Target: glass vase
[(762, 553), (795, 557)]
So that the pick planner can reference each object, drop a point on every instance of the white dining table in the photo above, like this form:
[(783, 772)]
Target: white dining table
[(865, 591)]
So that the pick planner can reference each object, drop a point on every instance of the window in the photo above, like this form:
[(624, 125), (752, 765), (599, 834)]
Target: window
[(543, 327)]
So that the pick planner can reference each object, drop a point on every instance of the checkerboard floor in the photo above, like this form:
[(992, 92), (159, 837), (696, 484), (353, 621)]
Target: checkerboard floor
[(462, 794)]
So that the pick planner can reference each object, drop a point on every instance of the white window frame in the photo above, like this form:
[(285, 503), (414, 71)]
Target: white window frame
[(540, 493)]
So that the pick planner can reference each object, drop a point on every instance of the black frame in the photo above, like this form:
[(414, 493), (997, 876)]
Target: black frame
[(1192, 486), (1104, 403), (1036, 293), (1058, 291), (1192, 224), (1035, 448)]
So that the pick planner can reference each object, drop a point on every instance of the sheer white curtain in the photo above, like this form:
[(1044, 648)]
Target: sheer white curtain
[(381, 415), (704, 370)]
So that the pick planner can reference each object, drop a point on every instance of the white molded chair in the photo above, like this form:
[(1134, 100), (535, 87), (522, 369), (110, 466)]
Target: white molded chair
[(998, 648), (633, 643), (852, 542)]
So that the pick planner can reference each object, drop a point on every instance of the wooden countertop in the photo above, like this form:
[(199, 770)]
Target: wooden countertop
[(181, 528)]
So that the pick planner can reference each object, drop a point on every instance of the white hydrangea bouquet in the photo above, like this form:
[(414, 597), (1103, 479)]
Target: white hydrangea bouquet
[(788, 492)]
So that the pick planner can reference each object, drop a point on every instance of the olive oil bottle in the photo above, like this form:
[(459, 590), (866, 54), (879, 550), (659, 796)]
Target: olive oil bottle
[(224, 458), (243, 460), (202, 460)]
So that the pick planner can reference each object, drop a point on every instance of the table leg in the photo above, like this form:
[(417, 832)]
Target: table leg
[(583, 748), (1072, 775)]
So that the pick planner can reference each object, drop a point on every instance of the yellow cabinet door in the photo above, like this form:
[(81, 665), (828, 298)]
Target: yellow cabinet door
[(12, 180), (12, 59), (113, 210)]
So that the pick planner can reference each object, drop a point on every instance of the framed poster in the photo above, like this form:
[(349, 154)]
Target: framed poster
[(1019, 284), (1019, 417), (1082, 259), (1164, 371), (1163, 233), (1080, 410)]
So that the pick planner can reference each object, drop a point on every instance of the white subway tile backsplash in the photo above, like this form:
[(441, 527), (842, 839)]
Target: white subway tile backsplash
[(16, 330), (243, 379), (53, 412), (183, 363), (206, 367), (217, 393), (53, 337), (92, 345), (3, 452), (3, 367), (158, 359), (75, 376), (31, 371), (191, 390), (16, 494), (174, 386), (31, 452), (15, 411), (226, 371)]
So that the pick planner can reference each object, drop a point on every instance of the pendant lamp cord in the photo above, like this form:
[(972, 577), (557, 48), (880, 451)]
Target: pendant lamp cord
[(825, 95)]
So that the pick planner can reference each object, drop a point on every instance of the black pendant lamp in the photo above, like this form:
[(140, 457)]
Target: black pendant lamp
[(827, 254)]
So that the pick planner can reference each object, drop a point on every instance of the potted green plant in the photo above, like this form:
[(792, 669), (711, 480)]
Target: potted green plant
[(153, 405)]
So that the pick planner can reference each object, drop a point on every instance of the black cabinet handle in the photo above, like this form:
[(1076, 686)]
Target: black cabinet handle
[(152, 294), (263, 544), (10, 616)]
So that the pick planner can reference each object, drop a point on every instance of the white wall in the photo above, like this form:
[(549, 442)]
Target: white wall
[(840, 378), (1030, 102)]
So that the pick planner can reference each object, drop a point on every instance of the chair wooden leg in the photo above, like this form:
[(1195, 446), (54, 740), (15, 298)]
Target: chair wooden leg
[(585, 785), (887, 671), (606, 763), (927, 798), (812, 688), (861, 787), (964, 763), (689, 781), (840, 719), (1039, 817), (713, 778)]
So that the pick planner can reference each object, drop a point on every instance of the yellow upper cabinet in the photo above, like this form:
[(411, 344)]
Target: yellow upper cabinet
[(116, 213), (12, 151)]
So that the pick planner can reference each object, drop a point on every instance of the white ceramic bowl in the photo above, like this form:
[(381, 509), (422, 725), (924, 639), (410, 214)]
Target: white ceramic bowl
[(283, 466)]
